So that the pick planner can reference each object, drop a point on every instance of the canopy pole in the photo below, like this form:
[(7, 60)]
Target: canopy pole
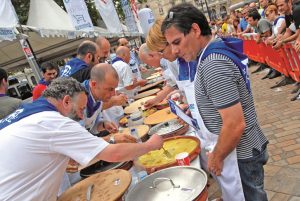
[(30, 56)]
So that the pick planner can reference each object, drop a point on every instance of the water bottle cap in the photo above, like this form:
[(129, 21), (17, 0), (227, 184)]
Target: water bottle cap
[(133, 129)]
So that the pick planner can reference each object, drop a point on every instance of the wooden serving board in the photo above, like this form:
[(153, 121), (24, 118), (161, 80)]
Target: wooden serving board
[(146, 93), (134, 107), (154, 75), (108, 186), (149, 86), (159, 117), (142, 130)]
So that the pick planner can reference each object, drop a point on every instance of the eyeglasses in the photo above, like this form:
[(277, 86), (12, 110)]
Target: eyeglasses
[(162, 50)]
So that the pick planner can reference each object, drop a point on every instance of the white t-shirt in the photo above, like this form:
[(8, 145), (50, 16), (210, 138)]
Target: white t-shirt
[(277, 26), (35, 152), (124, 73), (171, 71), (115, 113)]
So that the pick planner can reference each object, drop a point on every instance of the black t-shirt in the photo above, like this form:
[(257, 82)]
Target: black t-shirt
[(296, 14), (82, 75), (288, 20)]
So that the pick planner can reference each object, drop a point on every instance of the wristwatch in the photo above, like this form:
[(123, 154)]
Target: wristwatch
[(112, 139)]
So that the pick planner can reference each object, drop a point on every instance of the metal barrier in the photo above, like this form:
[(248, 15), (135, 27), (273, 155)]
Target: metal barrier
[(285, 60)]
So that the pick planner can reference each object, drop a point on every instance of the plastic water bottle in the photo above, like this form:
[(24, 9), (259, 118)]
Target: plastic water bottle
[(135, 134), (129, 121)]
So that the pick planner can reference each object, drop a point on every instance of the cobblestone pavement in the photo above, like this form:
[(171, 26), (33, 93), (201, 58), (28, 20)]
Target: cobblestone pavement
[(280, 121)]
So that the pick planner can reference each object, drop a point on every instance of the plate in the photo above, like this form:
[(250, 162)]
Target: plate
[(146, 93), (149, 86), (169, 129), (134, 107), (160, 116), (102, 166), (141, 129)]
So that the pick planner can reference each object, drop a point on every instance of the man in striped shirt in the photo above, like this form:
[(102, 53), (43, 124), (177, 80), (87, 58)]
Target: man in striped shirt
[(223, 98)]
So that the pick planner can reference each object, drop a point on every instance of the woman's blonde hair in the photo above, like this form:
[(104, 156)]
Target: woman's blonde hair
[(271, 8), (155, 40)]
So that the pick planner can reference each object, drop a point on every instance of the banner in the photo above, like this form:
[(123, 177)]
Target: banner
[(79, 15), (135, 14), (26, 49), (7, 34), (8, 20), (129, 18), (109, 15), (147, 19)]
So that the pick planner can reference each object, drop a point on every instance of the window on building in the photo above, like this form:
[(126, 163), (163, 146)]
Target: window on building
[(160, 10)]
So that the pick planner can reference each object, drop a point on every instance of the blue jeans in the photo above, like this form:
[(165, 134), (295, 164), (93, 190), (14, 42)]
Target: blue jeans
[(252, 176)]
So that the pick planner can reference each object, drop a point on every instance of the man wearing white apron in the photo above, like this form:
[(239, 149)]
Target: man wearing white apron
[(169, 68), (127, 84), (234, 147)]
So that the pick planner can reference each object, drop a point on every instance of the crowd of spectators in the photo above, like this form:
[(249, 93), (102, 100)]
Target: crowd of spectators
[(272, 22)]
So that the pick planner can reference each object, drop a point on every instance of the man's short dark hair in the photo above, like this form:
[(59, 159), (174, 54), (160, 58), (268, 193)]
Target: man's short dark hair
[(182, 16), (3, 75), (86, 47), (48, 66), (254, 14)]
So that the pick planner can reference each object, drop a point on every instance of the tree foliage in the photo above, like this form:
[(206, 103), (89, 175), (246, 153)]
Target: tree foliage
[(22, 9)]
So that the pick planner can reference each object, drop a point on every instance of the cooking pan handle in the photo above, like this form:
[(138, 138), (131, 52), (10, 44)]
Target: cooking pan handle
[(161, 179)]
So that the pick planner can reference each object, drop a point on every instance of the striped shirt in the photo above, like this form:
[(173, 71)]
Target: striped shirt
[(218, 85)]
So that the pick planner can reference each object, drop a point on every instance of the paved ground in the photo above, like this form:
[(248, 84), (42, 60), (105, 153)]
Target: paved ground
[(280, 121)]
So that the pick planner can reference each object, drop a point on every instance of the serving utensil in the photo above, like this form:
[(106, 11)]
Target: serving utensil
[(167, 153)]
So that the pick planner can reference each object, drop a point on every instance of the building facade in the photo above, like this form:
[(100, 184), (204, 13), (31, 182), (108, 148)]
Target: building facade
[(217, 9)]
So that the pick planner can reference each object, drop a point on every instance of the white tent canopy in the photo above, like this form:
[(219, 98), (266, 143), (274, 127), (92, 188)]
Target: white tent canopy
[(47, 18), (8, 17), (49, 32)]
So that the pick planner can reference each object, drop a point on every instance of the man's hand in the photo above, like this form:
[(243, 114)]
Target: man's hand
[(142, 82), (278, 44), (119, 100), (150, 103), (110, 126), (155, 142), (214, 164), (175, 95), (124, 138), (143, 69)]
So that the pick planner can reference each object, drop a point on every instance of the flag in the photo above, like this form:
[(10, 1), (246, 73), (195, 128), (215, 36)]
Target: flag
[(129, 18), (79, 15), (109, 15), (8, 20)]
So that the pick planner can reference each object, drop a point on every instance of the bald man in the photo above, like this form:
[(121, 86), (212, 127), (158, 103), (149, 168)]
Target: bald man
[(170, 70), (101, 88), (134, 60), (104, 46), (88, 55), (126, 84)]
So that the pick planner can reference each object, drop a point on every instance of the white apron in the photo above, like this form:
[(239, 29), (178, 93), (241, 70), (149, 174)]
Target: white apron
[(229, 180), (90, 123), (113, 114)]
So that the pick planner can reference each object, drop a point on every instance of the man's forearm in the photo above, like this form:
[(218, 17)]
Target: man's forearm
[(231, 132), (290, 38), (125, 151), (164, 93), (228, 140)]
